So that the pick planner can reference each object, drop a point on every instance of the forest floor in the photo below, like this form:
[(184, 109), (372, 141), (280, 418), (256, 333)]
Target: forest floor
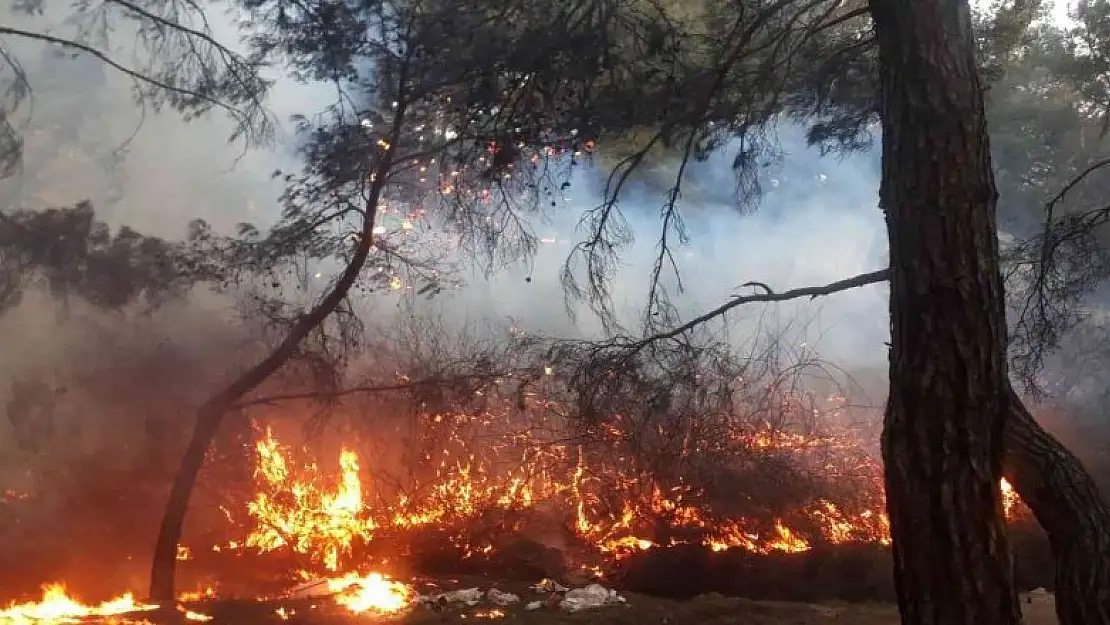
[(1038, 609)]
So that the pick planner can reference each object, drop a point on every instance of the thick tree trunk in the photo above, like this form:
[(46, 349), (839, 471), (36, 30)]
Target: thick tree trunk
[(1067, 504), (942, 440)]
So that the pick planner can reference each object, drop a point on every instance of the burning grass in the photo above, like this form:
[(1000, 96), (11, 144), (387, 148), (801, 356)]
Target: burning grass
[(327, 518), (563, 510), (501, 478)]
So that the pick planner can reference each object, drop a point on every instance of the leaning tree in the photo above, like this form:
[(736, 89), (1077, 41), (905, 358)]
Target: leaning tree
[(403, 136)]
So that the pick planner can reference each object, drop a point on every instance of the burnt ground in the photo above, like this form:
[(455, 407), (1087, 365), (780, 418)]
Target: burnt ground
[(681, 585), (639, 610)]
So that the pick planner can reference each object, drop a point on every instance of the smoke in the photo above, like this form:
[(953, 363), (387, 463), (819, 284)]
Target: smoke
[(817, 222), (86, 138)]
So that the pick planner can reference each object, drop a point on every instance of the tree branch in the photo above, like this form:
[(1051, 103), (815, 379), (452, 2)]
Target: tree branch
[(811, 292), (1050, 205), (123, 69), (367, 389)]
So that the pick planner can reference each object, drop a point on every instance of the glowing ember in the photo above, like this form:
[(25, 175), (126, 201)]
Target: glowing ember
[(372, 593), (57, 607), (1010, 498)]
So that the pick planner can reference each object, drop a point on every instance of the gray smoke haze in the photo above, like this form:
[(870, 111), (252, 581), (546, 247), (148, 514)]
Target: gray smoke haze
[(818, 222)]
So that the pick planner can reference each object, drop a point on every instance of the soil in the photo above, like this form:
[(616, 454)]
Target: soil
[(638, 610)]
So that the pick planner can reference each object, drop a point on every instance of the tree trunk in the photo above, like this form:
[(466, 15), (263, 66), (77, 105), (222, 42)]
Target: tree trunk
[(163, 568), (1067, 504), (942, 440)]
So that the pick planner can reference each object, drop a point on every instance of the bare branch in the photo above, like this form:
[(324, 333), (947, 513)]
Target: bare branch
[(1050, 205), (1066, 263), (110, 62), (328, 396), (811, 292)]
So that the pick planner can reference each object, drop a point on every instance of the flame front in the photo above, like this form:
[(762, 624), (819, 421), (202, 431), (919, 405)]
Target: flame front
[(57, 606), (301, 511)]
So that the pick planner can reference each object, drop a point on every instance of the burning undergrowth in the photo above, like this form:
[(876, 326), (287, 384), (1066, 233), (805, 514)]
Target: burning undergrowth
[(670, 476), (526, 494)]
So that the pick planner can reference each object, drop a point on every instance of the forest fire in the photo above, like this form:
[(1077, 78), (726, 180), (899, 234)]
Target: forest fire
[(338, 531), (331, 521), (296, 510)]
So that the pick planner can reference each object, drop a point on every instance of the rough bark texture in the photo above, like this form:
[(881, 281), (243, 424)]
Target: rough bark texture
[(163, 568), (942, 440), (1067, 504)]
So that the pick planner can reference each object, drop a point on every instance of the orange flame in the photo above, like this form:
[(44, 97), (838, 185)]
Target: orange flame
[(299, 510), (373, 593), (57, 606)]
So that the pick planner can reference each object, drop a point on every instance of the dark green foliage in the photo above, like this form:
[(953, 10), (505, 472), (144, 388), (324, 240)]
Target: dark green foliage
[(70, 253)]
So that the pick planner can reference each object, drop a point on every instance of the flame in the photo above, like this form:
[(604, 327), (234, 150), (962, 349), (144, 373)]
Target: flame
[(193, 616), (1010, 499), (299, 509), (58, 607), (197, 595), (304, 515), (373, 593)]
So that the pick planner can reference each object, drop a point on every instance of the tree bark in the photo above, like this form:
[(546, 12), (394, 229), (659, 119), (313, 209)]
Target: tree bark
[(164, 565), (1067, 504), (943, 433)]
